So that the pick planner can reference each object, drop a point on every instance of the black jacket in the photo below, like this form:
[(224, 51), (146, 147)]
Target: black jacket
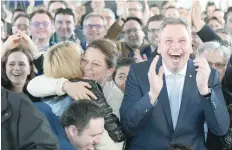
[(23, 126), (112, 123)]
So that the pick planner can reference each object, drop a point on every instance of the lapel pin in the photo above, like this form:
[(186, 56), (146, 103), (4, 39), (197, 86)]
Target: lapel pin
[(190, 76)]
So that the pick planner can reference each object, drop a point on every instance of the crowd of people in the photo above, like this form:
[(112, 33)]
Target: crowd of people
[(140, 77)]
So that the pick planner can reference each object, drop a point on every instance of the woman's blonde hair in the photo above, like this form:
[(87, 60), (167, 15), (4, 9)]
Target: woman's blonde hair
[(63, 61)]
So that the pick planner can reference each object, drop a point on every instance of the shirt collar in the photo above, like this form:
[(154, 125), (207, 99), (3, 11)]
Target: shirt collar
[(168, 73)]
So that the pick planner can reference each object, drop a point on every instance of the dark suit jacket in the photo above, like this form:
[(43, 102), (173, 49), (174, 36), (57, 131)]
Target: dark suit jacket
[(150, 127), (56, 127)]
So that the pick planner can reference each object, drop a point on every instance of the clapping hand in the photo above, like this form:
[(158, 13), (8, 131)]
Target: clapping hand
[(203, 73), (155, 80)]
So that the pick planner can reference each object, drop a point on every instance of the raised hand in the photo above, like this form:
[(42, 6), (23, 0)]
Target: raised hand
[(12, 42), (203, 73), (27, 42), (78, 90), (155, 80)]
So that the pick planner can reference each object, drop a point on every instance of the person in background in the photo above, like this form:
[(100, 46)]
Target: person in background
[(153, 26), (22, 23), (41, 28), (16, 133), (210, 8), (134, 40), (84, 123), (64, 23), (171, 12), (94, 28), (214, 23), (109, 16), (154, 9), (53, 5), (228, 20), (121, 72), (17, 12), (217, 56), (165, 4), (17, 70), (225, 35), (97, 5), (219, 14)]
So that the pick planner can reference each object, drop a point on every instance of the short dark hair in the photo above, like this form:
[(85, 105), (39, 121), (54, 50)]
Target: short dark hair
[(54, 1), (210, 4), (41, 11), (80, 113), (156, 18), (65, 11), (135, 19), (20, 16), (154, 5), (6, 83), (178, 147), (18, 9), (212, 18), (164, 3), (229, 10), (218, 10), (123, 61), (109, 49)]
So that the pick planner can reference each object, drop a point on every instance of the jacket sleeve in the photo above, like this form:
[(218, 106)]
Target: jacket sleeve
[(112, 124), (215, 110), (136, 107), (207, 34), (42, 86), (34, 129), (114, 31)]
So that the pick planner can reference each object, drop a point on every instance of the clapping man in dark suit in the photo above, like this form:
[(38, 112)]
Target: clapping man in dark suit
[(168, 99)]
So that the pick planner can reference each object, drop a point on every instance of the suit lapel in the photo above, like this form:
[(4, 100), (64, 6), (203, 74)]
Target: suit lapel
[(190, 79)]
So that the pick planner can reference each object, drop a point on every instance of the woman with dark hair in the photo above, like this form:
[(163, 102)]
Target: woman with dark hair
[(17, 70)]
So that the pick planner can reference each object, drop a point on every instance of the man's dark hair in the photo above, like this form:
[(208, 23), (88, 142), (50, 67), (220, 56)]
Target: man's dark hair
[(80, 113), (135, 19), (54, 1), (20, 16), (178, 147), (210, 4), (218, 10), (212, 18), (164, 3), (16, 10), (155, 18), (229, 10), (154, 5), (123, 61), (41, 11), (65, 11)]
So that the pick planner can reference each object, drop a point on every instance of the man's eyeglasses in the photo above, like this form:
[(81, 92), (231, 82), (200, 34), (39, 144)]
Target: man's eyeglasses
[(153, 31), (97, 26), (134, 30), (37, 24)]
